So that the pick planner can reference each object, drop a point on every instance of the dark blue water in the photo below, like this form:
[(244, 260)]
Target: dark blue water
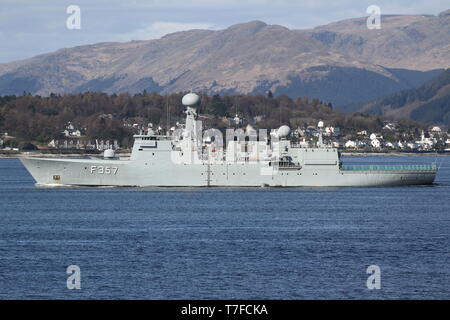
[(298, 243)]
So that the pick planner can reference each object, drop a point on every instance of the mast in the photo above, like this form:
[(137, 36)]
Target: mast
[(167, 114), (191, 100), (320, 142)]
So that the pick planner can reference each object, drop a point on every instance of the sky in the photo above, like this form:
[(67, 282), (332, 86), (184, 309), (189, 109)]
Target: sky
[(31, 27)]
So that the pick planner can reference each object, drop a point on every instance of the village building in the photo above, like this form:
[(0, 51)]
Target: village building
[(70, 131), (362, 133), (389, 145), (350, 144), (436, 129), (425, 143), (375, 143), (390, 126)]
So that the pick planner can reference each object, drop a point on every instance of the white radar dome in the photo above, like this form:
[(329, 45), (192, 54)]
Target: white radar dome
[(190, 99), (283, 131), (108, 154)]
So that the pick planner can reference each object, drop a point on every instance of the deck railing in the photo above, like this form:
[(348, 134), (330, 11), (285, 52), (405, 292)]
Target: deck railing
[(402, 167)]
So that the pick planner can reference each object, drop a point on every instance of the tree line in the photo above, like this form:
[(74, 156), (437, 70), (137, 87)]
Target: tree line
[(37, 119)]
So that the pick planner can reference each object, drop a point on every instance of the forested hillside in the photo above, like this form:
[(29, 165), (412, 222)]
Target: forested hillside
[(430, 102), (98, 115)]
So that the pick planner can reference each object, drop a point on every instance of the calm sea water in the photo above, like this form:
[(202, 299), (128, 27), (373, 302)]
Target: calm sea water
[(225, 243)]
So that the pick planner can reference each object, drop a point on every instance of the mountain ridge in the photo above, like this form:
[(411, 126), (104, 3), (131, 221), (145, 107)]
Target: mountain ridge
[(251, 57)]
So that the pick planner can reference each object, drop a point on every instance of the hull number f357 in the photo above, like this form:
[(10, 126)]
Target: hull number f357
[(104, 170)]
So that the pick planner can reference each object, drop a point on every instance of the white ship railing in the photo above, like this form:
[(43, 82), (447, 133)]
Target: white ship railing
[(403, 167)]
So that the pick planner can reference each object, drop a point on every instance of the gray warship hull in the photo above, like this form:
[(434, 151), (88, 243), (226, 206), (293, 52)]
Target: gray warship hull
[(92, 172)]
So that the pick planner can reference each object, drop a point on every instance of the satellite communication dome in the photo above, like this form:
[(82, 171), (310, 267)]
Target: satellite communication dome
[(320, 124), (108, 154), (190, 99), (283, 131)]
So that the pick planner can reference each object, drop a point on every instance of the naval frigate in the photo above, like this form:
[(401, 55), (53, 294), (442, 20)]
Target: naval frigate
[(189, 157)]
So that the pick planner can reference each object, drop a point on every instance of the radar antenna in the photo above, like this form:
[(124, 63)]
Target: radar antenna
[(320, 127)]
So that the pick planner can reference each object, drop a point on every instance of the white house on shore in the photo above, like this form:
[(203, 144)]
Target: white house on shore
[(389, 145), (375, 143), (70, 131), (412, 146), (350, 144), (447, 145), (425, 143), (436, 129)]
